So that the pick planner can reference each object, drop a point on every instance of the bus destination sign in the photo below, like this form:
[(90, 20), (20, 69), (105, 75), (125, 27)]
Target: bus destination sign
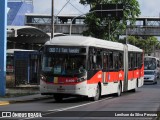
[(64, 50)]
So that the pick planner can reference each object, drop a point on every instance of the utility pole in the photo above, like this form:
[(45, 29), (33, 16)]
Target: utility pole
[(109, 30), (52, 19), (126, 35)]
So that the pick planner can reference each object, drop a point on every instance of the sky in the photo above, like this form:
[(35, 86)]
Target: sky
[(149, 8), (73, 7)]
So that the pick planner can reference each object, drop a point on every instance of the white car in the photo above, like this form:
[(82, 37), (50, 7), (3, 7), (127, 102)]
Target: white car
[(150, 76)]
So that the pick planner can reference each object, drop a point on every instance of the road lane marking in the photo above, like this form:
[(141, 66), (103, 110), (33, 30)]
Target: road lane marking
[(67, 108)]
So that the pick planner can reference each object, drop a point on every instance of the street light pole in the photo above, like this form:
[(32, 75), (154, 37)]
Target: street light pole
[(70, 30), (126, 35), (52, 20)]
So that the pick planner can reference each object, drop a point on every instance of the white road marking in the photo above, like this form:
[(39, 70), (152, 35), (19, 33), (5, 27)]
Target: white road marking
[(67, 108), (63, 109)]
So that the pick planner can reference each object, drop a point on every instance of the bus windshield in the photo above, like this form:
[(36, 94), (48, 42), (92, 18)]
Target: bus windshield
[(64, 64), (150, 64), (149, 72)]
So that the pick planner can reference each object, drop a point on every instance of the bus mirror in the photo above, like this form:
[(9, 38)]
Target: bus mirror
[(94, 58)]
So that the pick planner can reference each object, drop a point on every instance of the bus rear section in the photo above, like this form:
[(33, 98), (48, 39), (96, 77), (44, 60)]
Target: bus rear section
[(135, 68)]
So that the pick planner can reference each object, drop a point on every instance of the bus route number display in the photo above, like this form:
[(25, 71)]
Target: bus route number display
[(64, 50)]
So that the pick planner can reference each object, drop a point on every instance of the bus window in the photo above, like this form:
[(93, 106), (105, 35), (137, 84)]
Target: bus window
[(120, 60), (139, 59), (91, 62), (111, 60), (150, 63), (99, 60), (95, 59), (136, 61), (131, 61), (105, 61), (115, 61)]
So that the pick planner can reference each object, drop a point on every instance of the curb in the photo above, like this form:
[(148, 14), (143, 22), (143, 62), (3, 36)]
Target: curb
[(2, 103)]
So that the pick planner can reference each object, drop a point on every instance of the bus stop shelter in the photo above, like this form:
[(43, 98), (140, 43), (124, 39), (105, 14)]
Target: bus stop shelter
[(26, 34), (26, 62)]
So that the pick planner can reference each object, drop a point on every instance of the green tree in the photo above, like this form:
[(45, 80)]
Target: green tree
[(106, 28), (149, 44)]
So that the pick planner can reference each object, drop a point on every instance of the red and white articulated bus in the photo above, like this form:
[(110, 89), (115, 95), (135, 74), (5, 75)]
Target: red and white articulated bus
[(86, 66)]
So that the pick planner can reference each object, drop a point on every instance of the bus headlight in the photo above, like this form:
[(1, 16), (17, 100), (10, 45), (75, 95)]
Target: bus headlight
[(81, 79)]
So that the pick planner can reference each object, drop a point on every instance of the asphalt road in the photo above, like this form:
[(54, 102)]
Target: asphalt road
[(145, 101)]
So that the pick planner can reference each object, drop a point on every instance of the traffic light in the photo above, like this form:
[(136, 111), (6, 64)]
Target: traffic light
[(111, 11)]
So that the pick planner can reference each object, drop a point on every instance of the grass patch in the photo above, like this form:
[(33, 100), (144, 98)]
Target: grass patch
[(20, 91)]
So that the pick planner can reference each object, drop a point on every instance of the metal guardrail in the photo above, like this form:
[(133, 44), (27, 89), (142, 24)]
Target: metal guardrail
[(79, 28), (145, 26), (144, 31)]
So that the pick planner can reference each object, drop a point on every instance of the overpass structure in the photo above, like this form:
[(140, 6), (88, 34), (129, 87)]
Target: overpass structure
[(144, 26)]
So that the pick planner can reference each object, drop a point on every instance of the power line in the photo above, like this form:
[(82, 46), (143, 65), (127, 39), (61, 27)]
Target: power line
[(75, 8), (68, 1), (63, 7)]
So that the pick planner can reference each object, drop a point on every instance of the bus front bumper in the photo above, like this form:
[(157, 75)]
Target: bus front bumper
[(75, 89)]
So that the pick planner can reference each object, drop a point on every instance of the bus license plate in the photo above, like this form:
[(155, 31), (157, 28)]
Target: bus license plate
[(60, 89)]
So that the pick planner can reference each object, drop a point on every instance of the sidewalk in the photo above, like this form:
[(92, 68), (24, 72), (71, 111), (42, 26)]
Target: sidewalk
[(22, 94)]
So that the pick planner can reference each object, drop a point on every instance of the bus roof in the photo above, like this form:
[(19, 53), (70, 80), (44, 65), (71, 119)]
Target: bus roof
[(134, 48), (89, 41), (84, 41), (151, 57)]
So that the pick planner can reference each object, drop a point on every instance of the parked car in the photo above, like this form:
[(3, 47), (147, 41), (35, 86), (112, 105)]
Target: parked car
[(150, 76)]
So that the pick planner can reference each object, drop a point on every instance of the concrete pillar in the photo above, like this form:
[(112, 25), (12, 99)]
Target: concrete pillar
[(3, 29)]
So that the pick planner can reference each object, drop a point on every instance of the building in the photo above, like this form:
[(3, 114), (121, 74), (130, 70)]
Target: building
[(17, 10)]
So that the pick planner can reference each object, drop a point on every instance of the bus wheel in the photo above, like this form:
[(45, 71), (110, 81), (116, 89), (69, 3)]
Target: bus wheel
[(119, 90), (58, 98), (97, 96)]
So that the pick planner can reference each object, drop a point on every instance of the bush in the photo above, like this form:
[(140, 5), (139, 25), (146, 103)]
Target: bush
[(10, 81)]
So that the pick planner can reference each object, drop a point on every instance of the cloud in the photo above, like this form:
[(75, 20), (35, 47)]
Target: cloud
[(149, 7)]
